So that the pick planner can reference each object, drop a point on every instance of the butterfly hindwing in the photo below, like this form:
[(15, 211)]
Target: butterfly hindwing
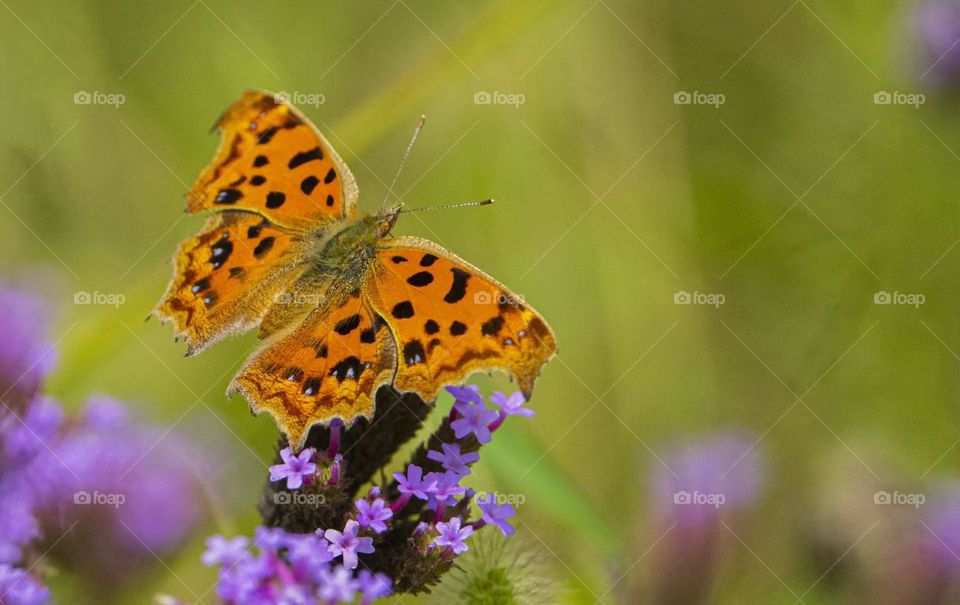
[(449, 319), (273, 161), (328, 367), (226, 277)]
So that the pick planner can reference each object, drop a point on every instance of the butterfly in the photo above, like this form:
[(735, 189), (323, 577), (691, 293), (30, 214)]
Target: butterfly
[(342, 306)]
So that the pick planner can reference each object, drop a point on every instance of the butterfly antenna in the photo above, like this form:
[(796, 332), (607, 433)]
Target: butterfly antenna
[(406, 154), (448, 206)]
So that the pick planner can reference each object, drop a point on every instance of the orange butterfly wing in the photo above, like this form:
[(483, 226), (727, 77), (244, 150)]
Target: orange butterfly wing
[(273, 161), (226, 277), (329, 367), (449, 319)]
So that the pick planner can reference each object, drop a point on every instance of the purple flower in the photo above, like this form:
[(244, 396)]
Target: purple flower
[(447, 487), (452, 535), (294, 468), (720, 472), (413, 483), (18, 526), (337, 585), (105, 414), (467, 394), (942, 520), (938, 29), (452, 460), (27, 436), (373, 585), (309, 555), (26, 356), (348, 544), (494, 514), (19, 588), (221, 551), (512, 405), (270, 539), (474, 419), (373, 514)]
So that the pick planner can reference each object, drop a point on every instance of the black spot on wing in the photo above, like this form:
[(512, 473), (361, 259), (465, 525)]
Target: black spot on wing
[(403, 310), (260, 160), (305, 156), (458, 289), (458, 328), (368, 336), (348, 369), (431, 327), (275, 199), (308, 184), (263, 247), (294, 374), (258, 180), (329, 200), (266, 135), (347, 324), (200, 285), (398, 259), (228, 196), (413, 353), (321, 351), (221, 252), (331, 174), (427, 260), (492, 326), (210, 298), (311, 386), (423, 278)]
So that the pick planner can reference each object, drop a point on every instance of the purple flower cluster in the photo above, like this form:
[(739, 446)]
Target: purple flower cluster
[(282, 567), (97, 485), (722, 472), (420, 519)]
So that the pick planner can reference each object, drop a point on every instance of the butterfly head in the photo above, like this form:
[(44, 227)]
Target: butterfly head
[(386, 218)]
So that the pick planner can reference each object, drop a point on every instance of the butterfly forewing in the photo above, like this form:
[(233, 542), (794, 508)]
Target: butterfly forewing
[(273, 161), (226, 277), (449, 319)]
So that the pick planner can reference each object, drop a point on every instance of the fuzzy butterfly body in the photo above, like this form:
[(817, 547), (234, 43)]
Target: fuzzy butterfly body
[(341, 308)]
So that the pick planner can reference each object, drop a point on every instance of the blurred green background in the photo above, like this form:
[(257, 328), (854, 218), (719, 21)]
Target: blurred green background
[(796, 199)]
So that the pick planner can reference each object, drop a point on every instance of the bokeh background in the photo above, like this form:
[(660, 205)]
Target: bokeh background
[(755, 292)]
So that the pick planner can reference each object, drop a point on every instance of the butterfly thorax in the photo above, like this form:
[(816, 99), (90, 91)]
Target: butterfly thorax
[(348, 246)]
